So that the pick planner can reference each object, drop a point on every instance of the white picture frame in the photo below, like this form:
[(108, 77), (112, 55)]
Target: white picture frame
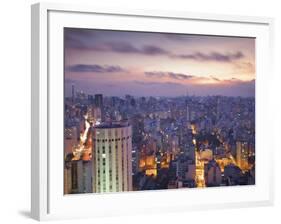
[(47, 199)]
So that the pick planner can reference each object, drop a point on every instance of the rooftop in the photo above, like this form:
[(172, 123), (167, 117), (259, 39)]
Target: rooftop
[(120, 124)]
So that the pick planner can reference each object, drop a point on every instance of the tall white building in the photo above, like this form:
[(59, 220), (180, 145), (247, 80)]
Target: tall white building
[(112, 157)]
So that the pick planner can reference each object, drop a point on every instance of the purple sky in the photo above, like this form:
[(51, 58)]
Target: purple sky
[(116, 63)]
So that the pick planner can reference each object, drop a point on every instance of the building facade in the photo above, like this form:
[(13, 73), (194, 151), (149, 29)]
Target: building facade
[(242, 154), (112, 157), (78, 177), (212, 173), (70, 139)]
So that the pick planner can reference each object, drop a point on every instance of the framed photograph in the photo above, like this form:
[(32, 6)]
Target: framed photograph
[(148, 111)]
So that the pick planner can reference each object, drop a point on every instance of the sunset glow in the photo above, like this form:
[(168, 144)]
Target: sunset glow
[(139, 62)]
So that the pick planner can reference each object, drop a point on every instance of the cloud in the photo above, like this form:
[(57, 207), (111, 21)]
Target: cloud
[(95, 68), (215, 78), (157, 83), (153, 50), (235, 81), (244, 68), (87, 39), (194, 79), (172, 75), (80, 38), (91, 40), (127, 48), (213, 56), (120, 47)]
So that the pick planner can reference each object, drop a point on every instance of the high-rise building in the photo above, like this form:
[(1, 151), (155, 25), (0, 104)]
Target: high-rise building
[(182, 168), (99, 104), (185, 169), (67, 178), (187, 113), (148, 165), (242, 154), (112, 157), (99, 100), (78, 177), (70, 139), (94, 115), (212, 174), (91, 99), (81, 97), (72, 93), (232, 174)]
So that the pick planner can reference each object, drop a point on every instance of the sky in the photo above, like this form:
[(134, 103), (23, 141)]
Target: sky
[(116, 63)]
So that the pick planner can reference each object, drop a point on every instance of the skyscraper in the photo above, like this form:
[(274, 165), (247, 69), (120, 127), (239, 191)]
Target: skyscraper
[(72, 93), (112, 157), (91, 99), (212, 174), (78, 177), (99, 104), (70, 139), (242, 154), (99, 100), (94, 115)]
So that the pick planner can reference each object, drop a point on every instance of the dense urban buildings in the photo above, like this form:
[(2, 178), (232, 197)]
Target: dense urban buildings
[(175, 111), (159, 143)]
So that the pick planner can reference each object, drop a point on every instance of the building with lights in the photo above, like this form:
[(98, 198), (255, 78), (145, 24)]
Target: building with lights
[(94, 115), (212, 173), (70, 139), (99, 104), (242, 155), (185, 169), (232, 174), (148, 164), (112, 157)]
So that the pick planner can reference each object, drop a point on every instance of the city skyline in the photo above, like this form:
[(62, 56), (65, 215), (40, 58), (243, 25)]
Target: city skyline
[(116, 63), (152, 111)]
